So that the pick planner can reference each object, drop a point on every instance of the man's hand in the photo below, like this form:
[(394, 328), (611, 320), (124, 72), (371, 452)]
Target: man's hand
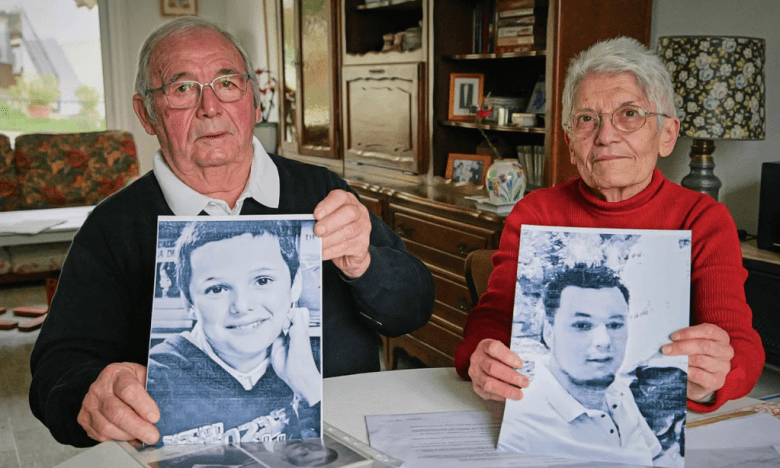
[(345, 229), (493, 374), (293, 361), (709, 357), (117, 406)]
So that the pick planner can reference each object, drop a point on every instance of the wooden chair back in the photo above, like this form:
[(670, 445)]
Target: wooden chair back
[(477, 272)]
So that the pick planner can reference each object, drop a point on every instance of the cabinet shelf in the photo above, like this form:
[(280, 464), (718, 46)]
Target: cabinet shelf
[(506, 55), (386, 5), (500, 128)]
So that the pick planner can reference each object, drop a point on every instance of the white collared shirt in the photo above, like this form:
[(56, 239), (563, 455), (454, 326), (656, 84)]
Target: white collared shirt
[(549, 421), (263, 186)]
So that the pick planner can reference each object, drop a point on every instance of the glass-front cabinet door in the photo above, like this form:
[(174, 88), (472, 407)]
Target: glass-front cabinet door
[(309, 126)]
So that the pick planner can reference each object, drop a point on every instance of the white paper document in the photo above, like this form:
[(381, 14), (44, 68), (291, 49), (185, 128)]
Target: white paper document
[(745, 442), (462, 439)]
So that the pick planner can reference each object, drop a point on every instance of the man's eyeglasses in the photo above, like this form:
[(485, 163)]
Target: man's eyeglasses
[(186, 94), (626, 119)]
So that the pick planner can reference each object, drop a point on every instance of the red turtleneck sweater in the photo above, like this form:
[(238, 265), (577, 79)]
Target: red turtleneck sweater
[(717, 274)]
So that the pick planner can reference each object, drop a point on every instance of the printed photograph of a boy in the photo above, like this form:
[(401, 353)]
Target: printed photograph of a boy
[(248, 370)]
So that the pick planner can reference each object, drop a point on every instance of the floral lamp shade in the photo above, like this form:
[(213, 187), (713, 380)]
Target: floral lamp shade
[(718, 85), (719, 89)]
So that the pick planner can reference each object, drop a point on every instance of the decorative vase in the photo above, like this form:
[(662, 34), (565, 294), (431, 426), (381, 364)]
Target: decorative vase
[(266, 132), (505, 181)]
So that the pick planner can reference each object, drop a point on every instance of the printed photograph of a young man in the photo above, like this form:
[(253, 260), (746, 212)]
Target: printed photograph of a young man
[(236, 358), (594, 309)]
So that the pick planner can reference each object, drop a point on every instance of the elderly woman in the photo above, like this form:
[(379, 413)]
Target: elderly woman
[(618, 115)]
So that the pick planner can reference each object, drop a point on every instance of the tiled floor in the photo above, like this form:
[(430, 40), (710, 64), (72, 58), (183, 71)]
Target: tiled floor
[(26, 443)]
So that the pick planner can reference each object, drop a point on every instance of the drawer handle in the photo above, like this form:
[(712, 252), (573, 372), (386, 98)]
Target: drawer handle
[(464, 249), (404, 231), (463, 304)]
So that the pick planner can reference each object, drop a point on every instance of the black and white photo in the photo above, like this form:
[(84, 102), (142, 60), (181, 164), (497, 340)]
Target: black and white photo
[(593, 307), (465, 95), (236, 357)]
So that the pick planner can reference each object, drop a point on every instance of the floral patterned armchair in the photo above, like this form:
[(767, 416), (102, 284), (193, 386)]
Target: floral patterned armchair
[(55, 171), (71, 169)]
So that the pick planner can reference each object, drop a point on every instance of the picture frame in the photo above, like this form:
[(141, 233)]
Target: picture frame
[(537, 102), (468, 167), (465, 93), (172, 8)]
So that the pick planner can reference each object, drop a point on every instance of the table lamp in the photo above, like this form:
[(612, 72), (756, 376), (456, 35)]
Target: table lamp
[(719, 95)]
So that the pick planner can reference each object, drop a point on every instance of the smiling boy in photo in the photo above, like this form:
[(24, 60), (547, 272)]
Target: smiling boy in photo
[(246, 371)]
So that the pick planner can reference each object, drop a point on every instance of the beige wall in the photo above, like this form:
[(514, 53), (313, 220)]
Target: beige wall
[(738, 163), (132, 23)]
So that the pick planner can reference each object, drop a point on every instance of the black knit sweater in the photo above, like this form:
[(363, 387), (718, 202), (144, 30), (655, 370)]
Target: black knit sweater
[(101, 312)]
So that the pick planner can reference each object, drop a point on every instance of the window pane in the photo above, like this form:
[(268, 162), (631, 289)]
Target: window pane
[(290, 71), (51, 73), (316, 78)]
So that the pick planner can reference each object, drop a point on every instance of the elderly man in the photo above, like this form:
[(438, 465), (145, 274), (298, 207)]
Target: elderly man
[(578, 405), (196, 91), (618, 115)]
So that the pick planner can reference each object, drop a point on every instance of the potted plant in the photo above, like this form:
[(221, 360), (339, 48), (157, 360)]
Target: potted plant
[(40, 91), (266, 131)]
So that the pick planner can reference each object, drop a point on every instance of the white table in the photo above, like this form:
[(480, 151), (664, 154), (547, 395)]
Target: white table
[(53, 224), (348, 400)]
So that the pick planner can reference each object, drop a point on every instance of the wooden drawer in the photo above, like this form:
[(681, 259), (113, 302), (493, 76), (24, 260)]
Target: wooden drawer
[(438, 337), (452, 302), (450, 263), (452, 239), (373, 204)]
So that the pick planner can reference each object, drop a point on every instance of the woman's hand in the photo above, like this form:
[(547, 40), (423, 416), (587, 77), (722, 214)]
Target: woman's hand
[(709, 357), (493, 374), (293, 361)]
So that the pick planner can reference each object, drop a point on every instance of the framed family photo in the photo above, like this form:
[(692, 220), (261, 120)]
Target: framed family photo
[(465, 95), (170, 8), (467, 168)]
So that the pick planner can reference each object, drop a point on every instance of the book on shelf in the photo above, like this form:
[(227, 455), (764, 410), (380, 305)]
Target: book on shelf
[(488, 27), (515, 41), (514, 12), (512, 4), (524, 30), (495, 20), (513, 49), (477, 27), (519, 21)]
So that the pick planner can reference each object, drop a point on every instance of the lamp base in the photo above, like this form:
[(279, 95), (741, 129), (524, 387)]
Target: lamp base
[(702, 178)]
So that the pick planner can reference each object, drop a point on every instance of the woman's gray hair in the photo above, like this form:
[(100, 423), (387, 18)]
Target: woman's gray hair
[(173, 28), (621, 55)]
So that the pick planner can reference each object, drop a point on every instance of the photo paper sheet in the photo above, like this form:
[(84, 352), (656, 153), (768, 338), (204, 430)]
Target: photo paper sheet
[(235, 352), (334, 450), (593, 307)]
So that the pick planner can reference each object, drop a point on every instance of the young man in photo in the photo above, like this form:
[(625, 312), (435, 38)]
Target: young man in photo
[(578, 405)]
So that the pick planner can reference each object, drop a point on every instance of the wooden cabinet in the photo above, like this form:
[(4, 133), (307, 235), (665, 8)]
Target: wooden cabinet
[(440, 227), (762, 291), (571, 26), (384, 85), (384, 115), (309, 124)]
